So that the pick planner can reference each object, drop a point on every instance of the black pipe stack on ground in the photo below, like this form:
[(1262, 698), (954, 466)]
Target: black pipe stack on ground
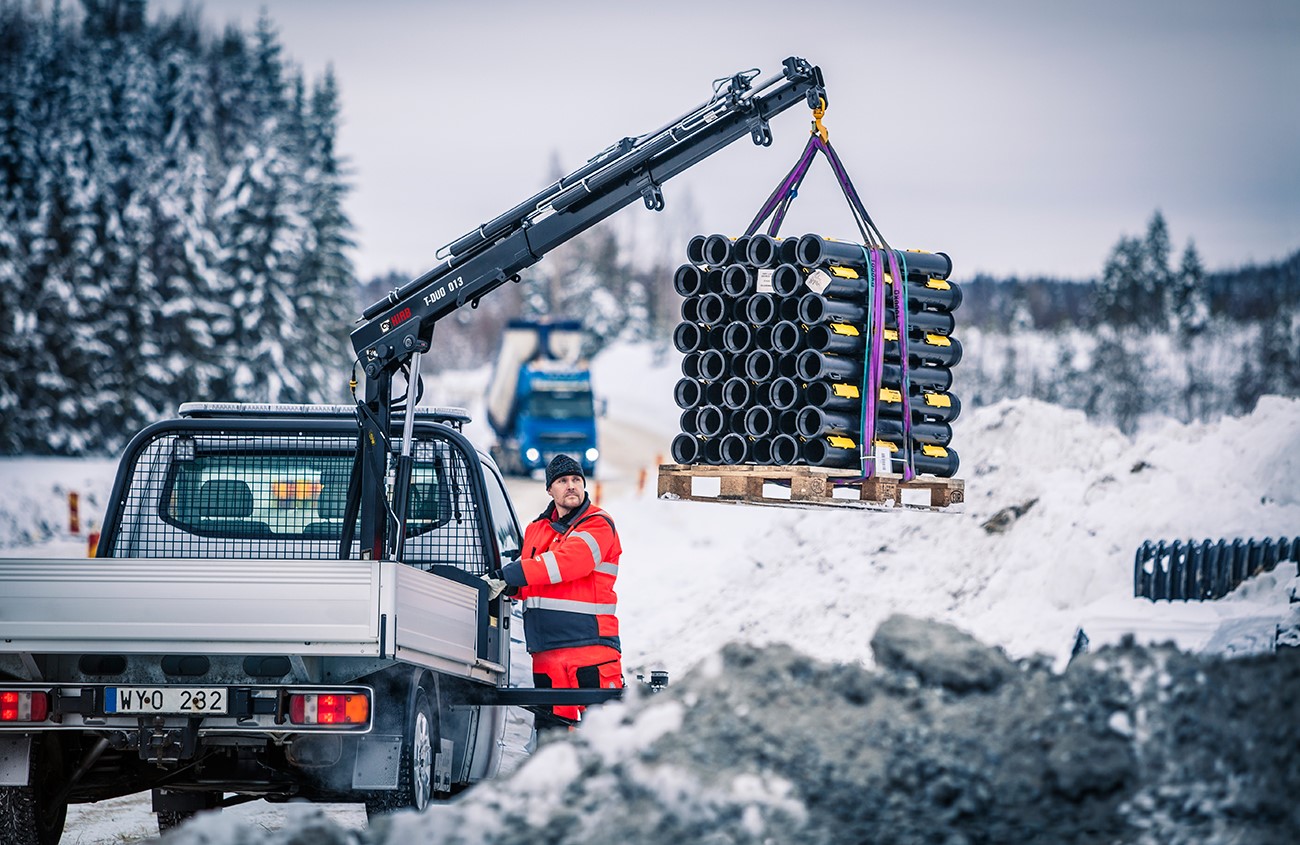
[(774, 333)]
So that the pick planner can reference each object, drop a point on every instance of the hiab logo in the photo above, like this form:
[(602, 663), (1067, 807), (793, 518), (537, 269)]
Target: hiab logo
[(395, 320)]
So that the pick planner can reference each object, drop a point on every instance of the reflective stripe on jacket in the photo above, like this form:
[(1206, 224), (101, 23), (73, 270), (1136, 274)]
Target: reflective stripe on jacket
[(566, 579)]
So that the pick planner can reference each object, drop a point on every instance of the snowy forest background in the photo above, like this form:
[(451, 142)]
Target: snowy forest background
[(172, 227)]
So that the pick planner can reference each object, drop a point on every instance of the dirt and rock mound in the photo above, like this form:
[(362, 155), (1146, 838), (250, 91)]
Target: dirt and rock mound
[(945, 741)]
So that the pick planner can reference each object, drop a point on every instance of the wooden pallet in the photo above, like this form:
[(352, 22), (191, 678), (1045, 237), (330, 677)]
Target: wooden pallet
[(807, 486)]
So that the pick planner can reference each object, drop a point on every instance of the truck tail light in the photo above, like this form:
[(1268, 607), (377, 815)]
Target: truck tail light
[(331, 708), (23, 706)]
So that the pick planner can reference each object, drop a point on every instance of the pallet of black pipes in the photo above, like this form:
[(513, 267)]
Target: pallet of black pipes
[(774, 334)]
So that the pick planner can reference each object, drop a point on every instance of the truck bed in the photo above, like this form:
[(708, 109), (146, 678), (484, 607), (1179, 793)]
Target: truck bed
[(378, 609)]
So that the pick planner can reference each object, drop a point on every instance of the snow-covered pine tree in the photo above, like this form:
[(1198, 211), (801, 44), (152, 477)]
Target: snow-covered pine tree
[(325, 293), (261, 229), (196, 311)]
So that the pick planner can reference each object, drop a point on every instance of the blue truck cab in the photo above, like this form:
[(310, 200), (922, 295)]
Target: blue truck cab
[(540, 401)]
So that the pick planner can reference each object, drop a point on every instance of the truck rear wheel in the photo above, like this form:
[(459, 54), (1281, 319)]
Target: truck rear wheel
[(31, 815), (415, 769), (183, 806)]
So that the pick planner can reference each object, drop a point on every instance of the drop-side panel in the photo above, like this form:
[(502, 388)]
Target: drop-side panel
[(436, 620), (152, 605)]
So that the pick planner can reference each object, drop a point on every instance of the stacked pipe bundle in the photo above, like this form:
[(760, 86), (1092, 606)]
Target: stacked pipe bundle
[(777, 343)]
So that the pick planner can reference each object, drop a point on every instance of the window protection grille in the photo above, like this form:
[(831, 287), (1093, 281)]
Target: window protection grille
[(240, 493)]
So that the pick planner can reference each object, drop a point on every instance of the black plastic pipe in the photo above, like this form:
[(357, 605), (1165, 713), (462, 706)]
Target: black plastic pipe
[(735, 393), (759, 421), (760, 366), (813, 365), (939, 296), (710, 421), (687, 422), (689, 337), (685, 449), (688, 393), (735, 448), (814, 250), (737, 280), (764, 251), (760, 309), (737, 338), (760, 452), (926, 351), (822, 453), (714, 365), (711, 451), (717, 250), (943, 407), (691, 365), (815, 422), (786, 393), (919, 378), (690, 310), (788, 337), (847, 341), (815, 308), (785, 450), (787, 280), (833, 396), (688, 280), (713, 393), (933, 433), (695, 249), (714, 309), (934, 322)]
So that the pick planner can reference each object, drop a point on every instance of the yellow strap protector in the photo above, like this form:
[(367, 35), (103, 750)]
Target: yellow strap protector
[(937, 284), (888, 394), (846, 391), (937, 340), (843, 272), (886, 445), (891, 334), (938, 400), (840, 442), (889, 280), (933, 451), (845, 329)]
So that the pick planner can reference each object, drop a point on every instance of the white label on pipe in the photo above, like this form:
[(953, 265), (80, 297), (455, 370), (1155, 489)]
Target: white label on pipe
[(765, 282), (817, 281)]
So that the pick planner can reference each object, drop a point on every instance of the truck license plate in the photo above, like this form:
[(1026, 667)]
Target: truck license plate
[(173, 700)]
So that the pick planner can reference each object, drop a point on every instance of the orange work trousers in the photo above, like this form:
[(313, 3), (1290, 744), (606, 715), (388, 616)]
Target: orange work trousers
[(584, 667)]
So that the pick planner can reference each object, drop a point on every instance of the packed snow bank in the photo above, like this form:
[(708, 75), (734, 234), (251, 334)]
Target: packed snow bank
[(1055, 508), (946, 741)]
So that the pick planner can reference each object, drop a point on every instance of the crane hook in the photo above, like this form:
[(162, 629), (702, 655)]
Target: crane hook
[(817, 128)]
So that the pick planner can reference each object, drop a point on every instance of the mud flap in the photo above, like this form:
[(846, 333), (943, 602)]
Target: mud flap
[(377, 762), (15, 760), (442, 766)]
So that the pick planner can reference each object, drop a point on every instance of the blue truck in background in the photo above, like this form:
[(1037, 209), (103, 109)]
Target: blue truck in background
[(539, 398)]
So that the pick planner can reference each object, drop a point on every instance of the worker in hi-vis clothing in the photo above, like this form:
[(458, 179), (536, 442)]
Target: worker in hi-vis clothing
[(565, 578)]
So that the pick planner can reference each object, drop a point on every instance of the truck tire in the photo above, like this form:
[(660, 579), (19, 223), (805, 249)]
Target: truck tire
[(30, 815), (415, 768), (171, 819)]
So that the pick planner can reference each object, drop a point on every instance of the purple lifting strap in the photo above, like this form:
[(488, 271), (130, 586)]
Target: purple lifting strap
[(900, 308)]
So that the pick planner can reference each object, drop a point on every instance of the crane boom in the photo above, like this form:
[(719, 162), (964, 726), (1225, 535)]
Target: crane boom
[(394, 331)]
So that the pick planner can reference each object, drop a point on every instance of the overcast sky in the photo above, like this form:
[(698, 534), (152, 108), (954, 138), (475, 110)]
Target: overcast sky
[(1023, 137)]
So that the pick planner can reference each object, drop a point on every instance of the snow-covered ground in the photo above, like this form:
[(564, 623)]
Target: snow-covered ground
[(695, 576)]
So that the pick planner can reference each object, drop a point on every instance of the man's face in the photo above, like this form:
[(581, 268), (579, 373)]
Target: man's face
[(567, 491)]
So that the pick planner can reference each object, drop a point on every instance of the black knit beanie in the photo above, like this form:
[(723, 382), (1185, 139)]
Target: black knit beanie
[(562, 465)]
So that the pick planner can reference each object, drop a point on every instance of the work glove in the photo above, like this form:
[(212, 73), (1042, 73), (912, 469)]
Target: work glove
[(496, 584)]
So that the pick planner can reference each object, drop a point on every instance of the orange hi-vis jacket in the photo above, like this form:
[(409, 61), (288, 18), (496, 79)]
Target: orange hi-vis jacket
[(566, 579)]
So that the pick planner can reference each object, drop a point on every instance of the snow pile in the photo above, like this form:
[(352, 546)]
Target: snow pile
[(947, 741), (1056, 507)]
